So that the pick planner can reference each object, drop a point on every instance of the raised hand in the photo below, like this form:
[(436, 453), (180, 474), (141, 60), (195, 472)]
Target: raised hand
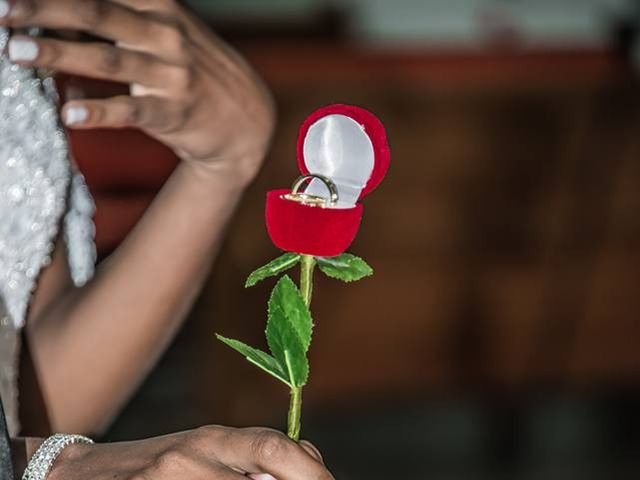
[(188, 89)]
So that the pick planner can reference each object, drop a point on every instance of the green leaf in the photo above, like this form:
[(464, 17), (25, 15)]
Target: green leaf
[(287, 297), (289, 330), (345, 267), (259, 358), (276, 267)]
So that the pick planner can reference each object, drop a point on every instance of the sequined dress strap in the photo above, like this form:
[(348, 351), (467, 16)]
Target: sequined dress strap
[(40, 191)]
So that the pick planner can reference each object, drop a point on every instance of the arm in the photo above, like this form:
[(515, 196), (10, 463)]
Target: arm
[(93, 345)]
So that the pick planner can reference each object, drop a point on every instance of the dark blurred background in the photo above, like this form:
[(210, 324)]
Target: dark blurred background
[(500, 335)]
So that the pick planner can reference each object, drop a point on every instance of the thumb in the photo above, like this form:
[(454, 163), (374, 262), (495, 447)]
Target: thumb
[(312, 450), (307, 446)]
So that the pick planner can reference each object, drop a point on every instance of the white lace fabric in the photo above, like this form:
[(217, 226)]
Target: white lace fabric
[(40, 191)]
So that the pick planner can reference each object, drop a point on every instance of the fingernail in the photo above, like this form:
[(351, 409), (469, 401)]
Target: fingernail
[(22, 49), (261, 476), (5, 8), (75, 115)]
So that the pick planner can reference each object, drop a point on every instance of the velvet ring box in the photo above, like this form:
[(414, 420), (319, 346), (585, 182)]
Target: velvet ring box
[(343, 152)]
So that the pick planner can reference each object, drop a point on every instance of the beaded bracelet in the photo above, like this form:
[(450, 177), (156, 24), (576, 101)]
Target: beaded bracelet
[(41, 462)]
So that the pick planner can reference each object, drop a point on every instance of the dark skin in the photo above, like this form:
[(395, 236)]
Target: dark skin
[(93, 345), (208, 453), (172, 62)]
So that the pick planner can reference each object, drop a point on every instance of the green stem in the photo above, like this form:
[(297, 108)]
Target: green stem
[(307, 265), (295, 413)]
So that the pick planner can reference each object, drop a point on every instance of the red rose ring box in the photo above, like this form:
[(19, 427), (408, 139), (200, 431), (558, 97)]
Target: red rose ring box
[(343, 155)]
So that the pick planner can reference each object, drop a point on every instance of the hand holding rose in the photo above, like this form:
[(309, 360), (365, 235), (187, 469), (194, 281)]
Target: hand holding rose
[(215, 453)]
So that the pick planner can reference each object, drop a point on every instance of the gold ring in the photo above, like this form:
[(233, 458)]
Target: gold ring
[(313, 200)]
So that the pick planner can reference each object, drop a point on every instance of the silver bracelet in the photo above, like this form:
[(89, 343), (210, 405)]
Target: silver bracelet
[(40, 464)]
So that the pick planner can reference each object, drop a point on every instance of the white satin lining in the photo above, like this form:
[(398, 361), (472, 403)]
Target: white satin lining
[(338, 147)]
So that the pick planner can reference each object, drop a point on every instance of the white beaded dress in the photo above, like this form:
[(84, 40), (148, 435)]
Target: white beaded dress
[(42, 196)]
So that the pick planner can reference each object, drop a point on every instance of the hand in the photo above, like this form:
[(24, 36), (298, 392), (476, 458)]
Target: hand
[(189, 89), (211, 453)]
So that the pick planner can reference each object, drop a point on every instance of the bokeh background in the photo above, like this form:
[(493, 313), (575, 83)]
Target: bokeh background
[(500, 335)]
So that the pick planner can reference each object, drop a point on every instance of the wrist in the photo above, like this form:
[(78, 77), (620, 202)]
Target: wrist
[(229, 175), (31, 445), (50, 455), (67, 460), (22, 449), (238, 166)]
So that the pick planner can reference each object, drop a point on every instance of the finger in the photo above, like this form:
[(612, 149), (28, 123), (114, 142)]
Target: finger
[(267, 451), (308, 446), (164, 6), (171, 11), (96, 60), (182, 463), (222, 473), (103, 18), (147, 113), (312, 450)]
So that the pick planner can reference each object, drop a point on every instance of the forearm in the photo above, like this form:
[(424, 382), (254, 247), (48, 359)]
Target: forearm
[(97, 343)]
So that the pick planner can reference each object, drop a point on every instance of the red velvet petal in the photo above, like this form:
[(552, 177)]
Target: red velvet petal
[(322, 232)]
